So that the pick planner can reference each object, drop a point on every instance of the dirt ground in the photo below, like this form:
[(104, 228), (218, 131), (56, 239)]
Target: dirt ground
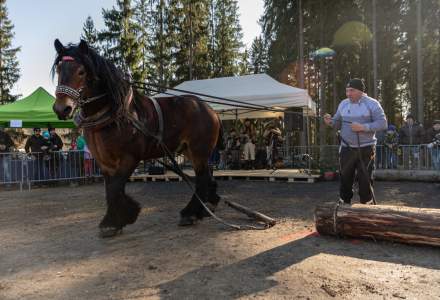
[(49, 248)]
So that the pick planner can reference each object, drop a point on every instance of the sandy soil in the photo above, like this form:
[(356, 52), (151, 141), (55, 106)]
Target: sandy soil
[(49, 248)]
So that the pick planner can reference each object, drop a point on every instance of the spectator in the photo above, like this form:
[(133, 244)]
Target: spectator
[(273, 139), (411, 132), (56, 147), (73, 143), (249, 153), (411, 135), (248, 132), (34, 146), (6, 146), (47, 156), (380, 148), (391, 145), (233, 149), (214, 159), (433, 141), (57, 143), (88, 159)]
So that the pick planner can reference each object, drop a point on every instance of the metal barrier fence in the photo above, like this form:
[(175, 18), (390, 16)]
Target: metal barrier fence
[(17, 168), (24, 170), (402, 157)]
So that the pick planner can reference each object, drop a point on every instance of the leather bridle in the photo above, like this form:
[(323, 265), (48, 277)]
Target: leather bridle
[(75, 94)]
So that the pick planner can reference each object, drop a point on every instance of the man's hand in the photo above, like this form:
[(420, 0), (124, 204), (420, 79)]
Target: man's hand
[(328, 119), (356, 127)]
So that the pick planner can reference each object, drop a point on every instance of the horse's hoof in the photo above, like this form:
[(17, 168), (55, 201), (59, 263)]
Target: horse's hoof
[(106, 232), (187, 221)]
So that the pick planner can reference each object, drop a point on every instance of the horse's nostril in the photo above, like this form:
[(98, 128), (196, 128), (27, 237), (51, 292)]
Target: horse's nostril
[(67, 110)]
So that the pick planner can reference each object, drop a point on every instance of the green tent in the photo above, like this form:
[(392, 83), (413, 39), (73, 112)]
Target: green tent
[(33, 111)]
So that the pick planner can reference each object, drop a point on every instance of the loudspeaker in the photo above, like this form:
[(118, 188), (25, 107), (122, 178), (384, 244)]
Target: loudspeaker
[(293, 121)]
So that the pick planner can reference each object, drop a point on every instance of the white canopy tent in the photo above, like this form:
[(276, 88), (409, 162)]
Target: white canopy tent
[(260, 89)]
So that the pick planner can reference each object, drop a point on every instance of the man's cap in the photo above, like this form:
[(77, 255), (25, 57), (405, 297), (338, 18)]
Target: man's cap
[(37, 129), (356, 83), (410, 116)]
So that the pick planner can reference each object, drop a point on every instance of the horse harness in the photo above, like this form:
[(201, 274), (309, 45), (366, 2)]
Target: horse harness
[(105, 117)]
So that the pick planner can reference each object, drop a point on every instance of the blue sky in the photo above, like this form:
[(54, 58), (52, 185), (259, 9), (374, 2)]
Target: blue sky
[(37, 26)]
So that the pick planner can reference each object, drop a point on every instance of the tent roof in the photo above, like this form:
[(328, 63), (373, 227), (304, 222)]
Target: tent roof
[(34, 110), (258, 89)]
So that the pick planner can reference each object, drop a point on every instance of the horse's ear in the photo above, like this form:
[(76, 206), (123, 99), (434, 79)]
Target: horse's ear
[(83, 47), (58, 46)]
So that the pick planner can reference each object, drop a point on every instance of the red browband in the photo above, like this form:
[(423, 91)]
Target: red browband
[(67, 58)]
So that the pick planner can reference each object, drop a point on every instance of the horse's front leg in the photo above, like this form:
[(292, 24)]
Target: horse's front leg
[(121, 208)]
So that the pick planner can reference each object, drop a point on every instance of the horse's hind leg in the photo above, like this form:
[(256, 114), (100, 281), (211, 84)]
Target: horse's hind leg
[(206, 189), (192, 211), (121, 208)]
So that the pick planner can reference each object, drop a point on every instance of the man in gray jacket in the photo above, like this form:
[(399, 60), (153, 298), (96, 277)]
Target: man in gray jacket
[(358, 117), (411, 135)]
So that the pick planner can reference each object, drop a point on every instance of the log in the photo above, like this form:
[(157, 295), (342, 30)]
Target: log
[(251, 213), (408, 225)]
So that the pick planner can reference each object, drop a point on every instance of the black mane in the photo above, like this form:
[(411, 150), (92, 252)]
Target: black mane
[(103, 73)]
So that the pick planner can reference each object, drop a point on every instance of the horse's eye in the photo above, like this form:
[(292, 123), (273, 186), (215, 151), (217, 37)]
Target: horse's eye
[(81, 73)]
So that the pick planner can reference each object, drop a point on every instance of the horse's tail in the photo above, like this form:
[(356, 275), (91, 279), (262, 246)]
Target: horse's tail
[(220, 142)]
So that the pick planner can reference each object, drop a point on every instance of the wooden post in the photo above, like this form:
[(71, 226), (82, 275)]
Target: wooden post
[(408, 225)]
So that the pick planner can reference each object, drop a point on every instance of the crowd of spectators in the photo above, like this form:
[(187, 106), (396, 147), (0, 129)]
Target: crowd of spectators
[(44, 157), (248, 149), (411, 146)]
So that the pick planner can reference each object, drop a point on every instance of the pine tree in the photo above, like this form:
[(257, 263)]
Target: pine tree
[(258, 56), (244, 67), (162, 43), (211, 39), (9, 70), (189, 27), (143, 16), (90, 34), (228, 38), (110, 37), (119, 38), (431, 73)]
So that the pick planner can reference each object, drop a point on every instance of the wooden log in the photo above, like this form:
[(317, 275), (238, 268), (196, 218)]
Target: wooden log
[(408, 225), (252, 214)]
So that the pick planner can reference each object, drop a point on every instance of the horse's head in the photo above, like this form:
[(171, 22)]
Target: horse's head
[(88, 81), (73, 77)]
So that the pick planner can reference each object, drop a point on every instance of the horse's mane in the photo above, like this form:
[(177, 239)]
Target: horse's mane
[(103, 73)]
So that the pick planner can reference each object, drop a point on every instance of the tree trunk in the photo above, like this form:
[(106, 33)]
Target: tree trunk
[(379, 222)]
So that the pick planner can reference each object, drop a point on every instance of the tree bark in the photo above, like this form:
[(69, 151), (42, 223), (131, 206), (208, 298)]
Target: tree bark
[(408, 225)]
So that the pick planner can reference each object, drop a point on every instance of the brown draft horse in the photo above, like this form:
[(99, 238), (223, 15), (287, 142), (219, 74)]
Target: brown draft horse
[(105, 104)]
